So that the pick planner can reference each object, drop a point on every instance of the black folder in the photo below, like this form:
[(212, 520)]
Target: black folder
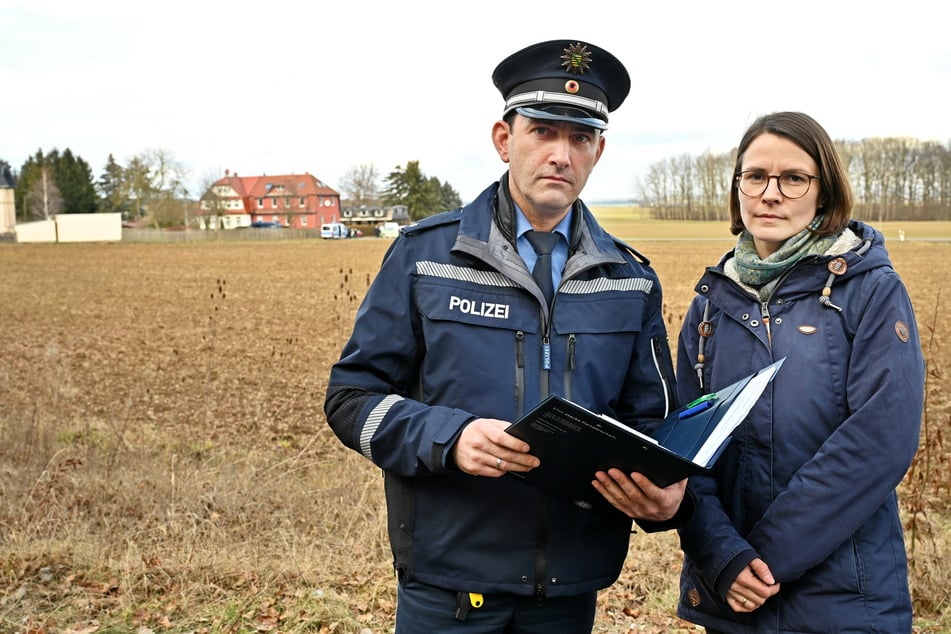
[(574, 442)]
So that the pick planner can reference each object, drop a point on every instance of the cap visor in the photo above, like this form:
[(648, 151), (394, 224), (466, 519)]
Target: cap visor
[(591, 122)]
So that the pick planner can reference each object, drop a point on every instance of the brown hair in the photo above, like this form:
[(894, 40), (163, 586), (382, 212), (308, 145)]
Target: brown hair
[(835, 199)]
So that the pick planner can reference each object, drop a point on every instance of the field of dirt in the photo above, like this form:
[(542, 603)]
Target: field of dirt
[(165, 367)]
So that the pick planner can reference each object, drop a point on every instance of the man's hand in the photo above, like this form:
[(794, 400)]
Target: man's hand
[(485, 449), (637, 497)]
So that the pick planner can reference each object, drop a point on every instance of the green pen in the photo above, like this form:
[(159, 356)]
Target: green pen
[(706, 397)]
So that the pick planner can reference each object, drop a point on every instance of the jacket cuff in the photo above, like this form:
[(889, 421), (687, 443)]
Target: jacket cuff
[(446, 451), (681, 517), (732, 570)]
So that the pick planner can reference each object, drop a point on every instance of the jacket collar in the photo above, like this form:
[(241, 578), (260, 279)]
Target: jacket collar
[(487, 231), (504, 215)]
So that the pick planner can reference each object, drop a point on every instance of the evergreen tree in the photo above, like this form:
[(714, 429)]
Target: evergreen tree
[(69, 174), (29, 176), (112, 188), (74, 179), (422, 195), (449, 197)]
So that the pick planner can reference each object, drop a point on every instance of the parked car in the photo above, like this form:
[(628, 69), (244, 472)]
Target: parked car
[(389, 230), (266, 224), (334, 230)]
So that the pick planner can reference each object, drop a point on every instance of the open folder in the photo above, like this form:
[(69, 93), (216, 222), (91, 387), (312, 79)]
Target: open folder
[(573, 442)]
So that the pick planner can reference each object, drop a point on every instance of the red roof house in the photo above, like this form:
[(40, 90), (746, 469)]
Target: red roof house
[(300, 201)]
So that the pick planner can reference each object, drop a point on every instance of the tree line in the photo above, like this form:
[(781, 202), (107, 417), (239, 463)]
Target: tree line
[(893, 178), (152, 185), (407, 185)]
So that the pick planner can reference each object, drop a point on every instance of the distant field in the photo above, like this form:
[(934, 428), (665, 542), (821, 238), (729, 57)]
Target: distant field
[(632, 224)]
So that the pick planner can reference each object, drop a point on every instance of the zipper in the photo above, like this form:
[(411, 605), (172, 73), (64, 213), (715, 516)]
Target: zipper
[(570, 369), (660, 353), (764, 313), (544, 319), (519, 373), (546, 364)]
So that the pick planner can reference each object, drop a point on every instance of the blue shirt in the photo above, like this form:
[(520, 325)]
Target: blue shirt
[(558, 257)]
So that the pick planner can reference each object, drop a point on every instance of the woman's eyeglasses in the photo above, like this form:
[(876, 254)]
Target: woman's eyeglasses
[(753, 183)]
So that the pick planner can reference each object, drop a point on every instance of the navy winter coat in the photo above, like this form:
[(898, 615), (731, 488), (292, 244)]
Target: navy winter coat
[(453, 328), (808, 482)]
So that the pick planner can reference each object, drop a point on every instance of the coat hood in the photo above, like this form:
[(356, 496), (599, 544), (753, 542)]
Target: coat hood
[(858, 249)]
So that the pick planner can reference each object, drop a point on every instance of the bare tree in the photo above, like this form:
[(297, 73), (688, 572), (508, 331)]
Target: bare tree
[(44, 200), (655, 190), (712, 175), (361, 186), (166, 186), (893, 178)]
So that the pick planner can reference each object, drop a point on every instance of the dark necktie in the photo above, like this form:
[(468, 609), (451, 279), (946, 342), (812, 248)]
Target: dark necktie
[(543, 243)]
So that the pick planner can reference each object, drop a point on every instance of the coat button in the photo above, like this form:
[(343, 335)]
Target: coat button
[(838, 266)]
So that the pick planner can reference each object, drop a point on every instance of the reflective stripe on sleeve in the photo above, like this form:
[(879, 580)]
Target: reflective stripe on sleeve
[(373, 422)]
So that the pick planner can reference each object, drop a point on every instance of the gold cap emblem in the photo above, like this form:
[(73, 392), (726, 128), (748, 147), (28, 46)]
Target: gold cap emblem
[(577, 59)]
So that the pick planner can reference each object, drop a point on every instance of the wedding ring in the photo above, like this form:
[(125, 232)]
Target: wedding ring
[(744, 601), (498, 463)]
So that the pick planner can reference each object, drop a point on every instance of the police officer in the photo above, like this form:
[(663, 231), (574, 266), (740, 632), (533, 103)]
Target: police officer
[(456, 338)]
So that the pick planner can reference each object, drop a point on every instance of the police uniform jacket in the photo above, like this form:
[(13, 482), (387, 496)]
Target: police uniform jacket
[(454, 327), (808, 482)]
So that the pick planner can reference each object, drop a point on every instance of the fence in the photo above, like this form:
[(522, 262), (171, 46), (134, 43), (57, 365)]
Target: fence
[(233, 235)]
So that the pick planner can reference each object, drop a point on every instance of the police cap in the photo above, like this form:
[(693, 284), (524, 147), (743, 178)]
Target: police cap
[(563, 80)]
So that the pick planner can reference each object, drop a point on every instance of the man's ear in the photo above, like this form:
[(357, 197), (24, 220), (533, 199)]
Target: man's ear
[(600, 149), (500, 139)]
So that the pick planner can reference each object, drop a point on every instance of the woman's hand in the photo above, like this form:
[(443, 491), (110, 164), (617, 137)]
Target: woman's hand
[(752, 587)]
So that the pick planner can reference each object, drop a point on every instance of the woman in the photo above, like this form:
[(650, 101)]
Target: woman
[(797, 527)]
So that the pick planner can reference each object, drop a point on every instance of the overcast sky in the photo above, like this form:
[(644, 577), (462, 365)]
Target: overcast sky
[(286, 86)]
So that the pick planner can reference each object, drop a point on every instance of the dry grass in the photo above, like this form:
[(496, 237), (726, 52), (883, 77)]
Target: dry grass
[(165, 464)]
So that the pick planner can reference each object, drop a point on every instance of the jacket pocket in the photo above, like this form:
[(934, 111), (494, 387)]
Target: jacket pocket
[(475, 344)]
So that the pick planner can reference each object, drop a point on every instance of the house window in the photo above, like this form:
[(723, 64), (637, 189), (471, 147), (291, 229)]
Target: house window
[(260, 203), (303, 221), (274, 203), (302, 201)]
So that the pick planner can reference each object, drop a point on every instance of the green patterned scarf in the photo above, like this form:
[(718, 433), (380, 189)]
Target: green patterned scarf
[(762, 274)]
